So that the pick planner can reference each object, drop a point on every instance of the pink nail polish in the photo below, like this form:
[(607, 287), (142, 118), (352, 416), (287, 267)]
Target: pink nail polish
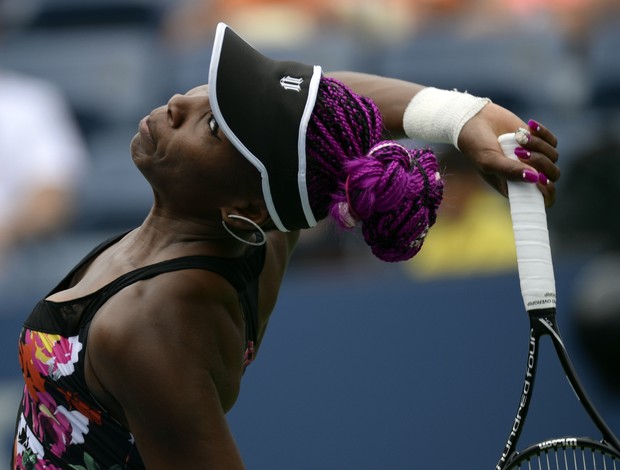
[(533, 125), (522, 153), (530, 176), (542, 178)]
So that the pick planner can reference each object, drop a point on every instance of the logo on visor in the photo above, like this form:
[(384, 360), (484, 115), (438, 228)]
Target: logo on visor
[(290, 83)]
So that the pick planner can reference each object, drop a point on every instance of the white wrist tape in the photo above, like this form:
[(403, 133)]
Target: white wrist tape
[(438, 115)]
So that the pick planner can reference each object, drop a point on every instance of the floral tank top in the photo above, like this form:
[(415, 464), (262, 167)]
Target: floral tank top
[(60, 425)]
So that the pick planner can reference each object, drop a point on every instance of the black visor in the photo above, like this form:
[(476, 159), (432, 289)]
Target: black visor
[(263, 106)]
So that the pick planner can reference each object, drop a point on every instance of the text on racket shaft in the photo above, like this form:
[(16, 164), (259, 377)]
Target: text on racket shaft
[(549, 300), (523, 402)]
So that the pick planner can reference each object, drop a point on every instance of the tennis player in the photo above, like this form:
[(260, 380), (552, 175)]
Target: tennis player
[(133, 360)]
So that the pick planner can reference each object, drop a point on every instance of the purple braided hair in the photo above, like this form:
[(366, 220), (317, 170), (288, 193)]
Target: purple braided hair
[(354, 176)]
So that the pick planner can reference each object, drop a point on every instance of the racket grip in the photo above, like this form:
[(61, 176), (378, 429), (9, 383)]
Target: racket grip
[(529, 223)]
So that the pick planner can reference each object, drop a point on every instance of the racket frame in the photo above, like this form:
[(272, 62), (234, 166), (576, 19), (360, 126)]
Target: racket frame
[(543, 323)]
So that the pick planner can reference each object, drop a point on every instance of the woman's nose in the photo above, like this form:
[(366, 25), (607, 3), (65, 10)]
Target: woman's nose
[(180, 107), (176, 110)]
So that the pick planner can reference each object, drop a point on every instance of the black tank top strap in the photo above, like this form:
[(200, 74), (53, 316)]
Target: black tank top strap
[(242, 273), (239, 272), (66, 281)]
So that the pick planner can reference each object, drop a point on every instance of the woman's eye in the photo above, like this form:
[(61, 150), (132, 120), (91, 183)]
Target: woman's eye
[(213, 125)]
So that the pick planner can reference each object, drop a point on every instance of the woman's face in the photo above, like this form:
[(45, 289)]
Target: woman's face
[(188, 160)]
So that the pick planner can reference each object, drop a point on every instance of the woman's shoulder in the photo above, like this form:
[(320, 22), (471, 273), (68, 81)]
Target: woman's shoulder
[(190, 315), (182, 297)]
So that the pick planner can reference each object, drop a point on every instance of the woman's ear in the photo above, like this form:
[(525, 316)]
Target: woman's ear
[(255, 211)]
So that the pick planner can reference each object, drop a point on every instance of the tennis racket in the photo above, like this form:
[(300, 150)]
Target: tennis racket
[(538, 290)]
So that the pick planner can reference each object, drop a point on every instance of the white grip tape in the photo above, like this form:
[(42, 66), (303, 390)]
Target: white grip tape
[(529, 222)]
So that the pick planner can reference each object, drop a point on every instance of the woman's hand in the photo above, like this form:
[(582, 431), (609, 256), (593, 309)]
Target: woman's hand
[(478, 141)]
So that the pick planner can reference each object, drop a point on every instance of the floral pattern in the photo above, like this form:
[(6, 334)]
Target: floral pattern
[(54, 421)]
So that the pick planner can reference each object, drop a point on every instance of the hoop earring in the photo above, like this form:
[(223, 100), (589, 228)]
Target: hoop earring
[(261, 238)]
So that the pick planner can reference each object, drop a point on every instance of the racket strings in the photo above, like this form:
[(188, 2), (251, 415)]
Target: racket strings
[(569, 458)]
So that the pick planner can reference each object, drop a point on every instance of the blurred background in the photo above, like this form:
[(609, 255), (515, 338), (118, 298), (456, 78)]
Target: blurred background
[(367, 365)]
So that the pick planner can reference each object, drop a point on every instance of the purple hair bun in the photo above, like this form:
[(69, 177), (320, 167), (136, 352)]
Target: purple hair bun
[(391, 191)]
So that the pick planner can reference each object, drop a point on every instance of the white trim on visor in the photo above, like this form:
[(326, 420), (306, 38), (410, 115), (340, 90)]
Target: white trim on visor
[(301, 151), (213, 69)]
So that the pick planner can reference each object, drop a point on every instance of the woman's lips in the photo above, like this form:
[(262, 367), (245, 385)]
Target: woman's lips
[(145, 130)]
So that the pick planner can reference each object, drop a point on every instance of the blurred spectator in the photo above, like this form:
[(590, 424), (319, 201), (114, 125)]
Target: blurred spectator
[(597, 316), (41, 157), (573, 19), (277, 22), (473, 233), (379, 20), (589, 225), (590, 190), (261, 21)]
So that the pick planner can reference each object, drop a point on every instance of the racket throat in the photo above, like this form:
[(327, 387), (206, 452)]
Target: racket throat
[(524, 401)]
